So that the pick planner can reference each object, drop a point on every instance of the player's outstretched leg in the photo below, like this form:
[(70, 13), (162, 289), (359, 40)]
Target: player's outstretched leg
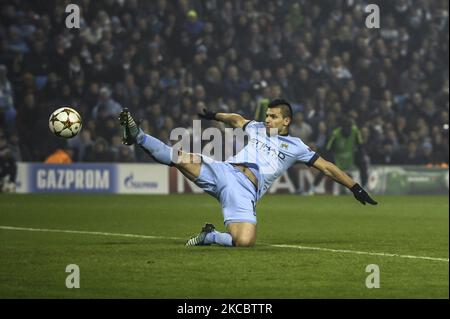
[(209, 236), (132, 134)]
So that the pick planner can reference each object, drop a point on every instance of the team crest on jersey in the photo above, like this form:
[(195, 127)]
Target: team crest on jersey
[(284, 145)]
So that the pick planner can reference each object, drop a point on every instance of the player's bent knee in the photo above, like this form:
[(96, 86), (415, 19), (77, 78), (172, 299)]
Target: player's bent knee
[(244, 234), (183, 158), (244, 242)]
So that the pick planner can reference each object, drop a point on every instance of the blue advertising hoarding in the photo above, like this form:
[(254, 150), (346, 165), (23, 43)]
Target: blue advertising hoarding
[(80, 178)]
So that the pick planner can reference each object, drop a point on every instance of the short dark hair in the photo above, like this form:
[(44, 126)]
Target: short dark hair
[(286, 108)]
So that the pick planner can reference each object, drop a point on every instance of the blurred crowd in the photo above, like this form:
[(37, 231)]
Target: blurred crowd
[(166, 60)]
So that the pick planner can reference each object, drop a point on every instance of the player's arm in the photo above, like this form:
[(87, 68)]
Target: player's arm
[(232, 119), (338, 175)]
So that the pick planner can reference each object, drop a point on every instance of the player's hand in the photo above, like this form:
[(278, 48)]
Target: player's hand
[(361, 195), (207, 114)]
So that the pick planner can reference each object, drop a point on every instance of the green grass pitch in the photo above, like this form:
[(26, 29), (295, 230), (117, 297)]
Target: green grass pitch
[(33, 263)]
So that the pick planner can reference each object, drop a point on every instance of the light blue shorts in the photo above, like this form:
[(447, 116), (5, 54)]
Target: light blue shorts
[(235, 192)]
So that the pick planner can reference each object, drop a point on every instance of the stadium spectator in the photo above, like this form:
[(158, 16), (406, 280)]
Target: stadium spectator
[(7, 109), (99, 152), (320, 137), (125, 155), (411, 155), (385, 155), (8, 166), (106, 106), (80, 144), (193, 25), (346, 148), (300, 128), (60, 156)]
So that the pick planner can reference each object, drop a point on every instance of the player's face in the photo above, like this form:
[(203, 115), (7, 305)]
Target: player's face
[(275, 120)]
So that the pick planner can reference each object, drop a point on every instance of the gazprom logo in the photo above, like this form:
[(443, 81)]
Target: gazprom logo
[(72, 179), (129, 182)]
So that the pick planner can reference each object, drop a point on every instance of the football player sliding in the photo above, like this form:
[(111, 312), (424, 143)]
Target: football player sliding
[(239, 182)]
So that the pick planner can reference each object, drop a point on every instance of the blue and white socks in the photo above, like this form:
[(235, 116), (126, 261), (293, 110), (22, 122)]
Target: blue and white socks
[(160, 151), (215, 237)]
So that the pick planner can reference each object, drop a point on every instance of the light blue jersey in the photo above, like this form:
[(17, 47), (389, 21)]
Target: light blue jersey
[(267, 157), (270, 156)]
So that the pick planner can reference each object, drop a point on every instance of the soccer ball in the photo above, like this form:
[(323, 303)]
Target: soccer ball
[(65, 122)]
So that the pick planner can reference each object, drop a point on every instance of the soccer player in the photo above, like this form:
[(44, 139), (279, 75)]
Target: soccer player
[(242, 180), (347, 148)]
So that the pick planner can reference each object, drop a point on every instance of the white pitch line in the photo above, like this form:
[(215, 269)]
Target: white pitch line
[(345, 251), (177, 238), (85, 232)]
